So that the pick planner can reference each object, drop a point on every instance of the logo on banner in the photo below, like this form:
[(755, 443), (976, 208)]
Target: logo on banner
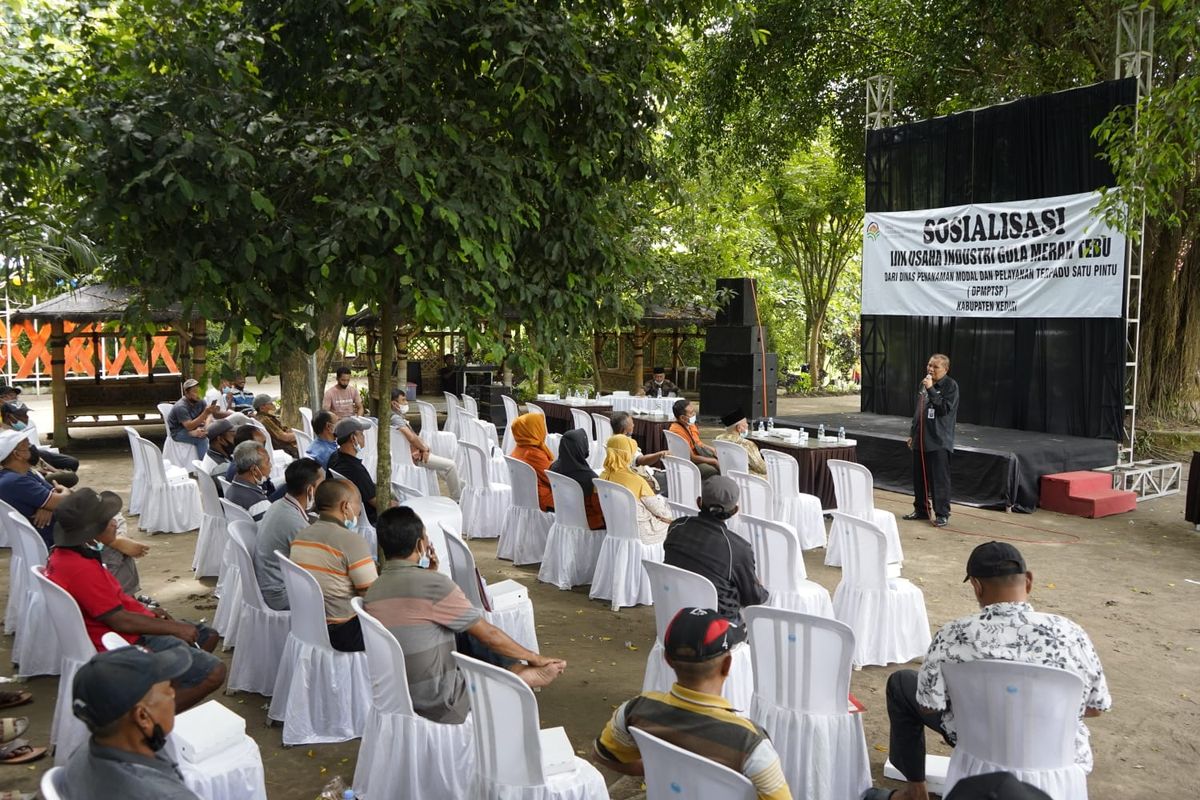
[(873, 231)]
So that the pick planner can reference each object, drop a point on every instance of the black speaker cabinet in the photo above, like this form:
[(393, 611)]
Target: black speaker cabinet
[(718, 399), (738, 368), (740, 308), (735, 339)]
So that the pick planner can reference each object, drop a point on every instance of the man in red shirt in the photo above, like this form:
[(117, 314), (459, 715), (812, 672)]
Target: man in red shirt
[(85, 523)]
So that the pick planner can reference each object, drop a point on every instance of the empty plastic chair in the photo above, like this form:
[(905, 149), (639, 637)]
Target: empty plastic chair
[(18, 575), (440, 443), (513, 755), (855, 491), (508, 606), (678, 446), (67, 732), (583, 421), (802, 511), (229, 588), (672, 772), (484, 502), (210, 544), (179, 454), (262, 631), (780, 567), (683, 485), (523, 539), (886, 614), (482, 435), (530, 408), (571, 547), (402, 754), (619, 577), (137, 483), (731, 457), (303, 441), (33, 651), (603, 426), (306, 417), (801, 685), (171, 503), (452, 409)]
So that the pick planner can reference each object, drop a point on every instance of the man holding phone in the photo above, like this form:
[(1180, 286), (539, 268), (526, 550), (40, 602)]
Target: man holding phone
[(188, 417)]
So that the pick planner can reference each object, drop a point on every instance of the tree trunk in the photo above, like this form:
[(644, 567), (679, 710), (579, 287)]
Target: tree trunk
[(293, 367), (387, 357), (1169, 351)]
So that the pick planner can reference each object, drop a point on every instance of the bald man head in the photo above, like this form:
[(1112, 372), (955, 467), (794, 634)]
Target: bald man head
[(333, 493)]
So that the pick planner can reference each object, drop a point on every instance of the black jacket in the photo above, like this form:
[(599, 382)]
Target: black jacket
[(942, 399), (703, 545)]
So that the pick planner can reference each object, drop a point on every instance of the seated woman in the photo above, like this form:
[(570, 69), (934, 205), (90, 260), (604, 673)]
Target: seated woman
[(529, 432), (573, 462), (653, 515)]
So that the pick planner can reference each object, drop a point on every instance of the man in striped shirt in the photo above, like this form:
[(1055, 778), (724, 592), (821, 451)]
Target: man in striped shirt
[(337, 556), (694, 715)]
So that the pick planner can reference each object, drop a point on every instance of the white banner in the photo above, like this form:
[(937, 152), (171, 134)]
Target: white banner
[(1049, 257)]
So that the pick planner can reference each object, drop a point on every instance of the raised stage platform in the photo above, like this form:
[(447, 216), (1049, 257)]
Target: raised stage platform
[(992, 467)]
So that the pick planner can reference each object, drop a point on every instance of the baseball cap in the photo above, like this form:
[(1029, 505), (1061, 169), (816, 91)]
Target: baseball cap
[(9, 439), (347, 428), (217, 428), (719, 491), (15, 408), (994, 559), (261, 400), (995, 786), (5, 389), (733, 417), (189, 383), (659, 371), (111, 684), (83, 515), (698, 634)]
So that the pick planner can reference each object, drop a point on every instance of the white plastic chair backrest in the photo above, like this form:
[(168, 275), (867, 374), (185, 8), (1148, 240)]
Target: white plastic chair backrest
[(402, 491), (853, 487), (683, 510), (306, 602), (54, 783), (864, 547), (470, 404), (428, 420), (683, 480), (133, 437), (113, 641), (731, 457), (754, 495), (783, 473), (210, 501), (152, 463), (306, 417), (523, 480), (678, 446), (507, 745), (777, 557), (224, 483), (672, 772), (801, 661), (385, 664), (473, 431), (530, 408), (512, 410), (568, 501), (673, 588), (553, 440), (583, 421), (620, 509), (477, 464), (462, 567), (303, 441), (244, 536), (66, 618), (165, 410), (604, 428), (25, 540), (401, 450), (1021, 716), (452, 409), (235, 513)]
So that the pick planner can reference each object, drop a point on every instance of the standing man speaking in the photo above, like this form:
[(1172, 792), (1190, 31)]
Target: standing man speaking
[(932, 432)]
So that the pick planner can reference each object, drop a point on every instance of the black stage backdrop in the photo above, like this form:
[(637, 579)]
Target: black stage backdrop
[(1056, 375)]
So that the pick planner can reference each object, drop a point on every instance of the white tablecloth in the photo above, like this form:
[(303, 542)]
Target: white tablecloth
[(643, 405)]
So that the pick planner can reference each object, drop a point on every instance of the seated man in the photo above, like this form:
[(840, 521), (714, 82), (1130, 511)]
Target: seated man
[(684, 425), (188, 417), (282, 438), (324, 443), (425, 611), (286, 517), (9, 394), (694, 715), (246, 490), (1007, 629), (253, 433), (57, 467), (345, 462), (239, 398), (126, 700), (342, 400), (736, 428), (220, 447), (658, 385), (85, 519), (338, 558), (704, 545), (421, 455)]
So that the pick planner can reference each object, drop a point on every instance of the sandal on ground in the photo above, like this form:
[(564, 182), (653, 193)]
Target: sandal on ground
[(12, 727), (19, 751), (13, 794), (17, 698), (877, 794)]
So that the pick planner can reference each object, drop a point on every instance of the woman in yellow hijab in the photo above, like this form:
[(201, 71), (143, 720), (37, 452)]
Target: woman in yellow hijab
[(653, 514)]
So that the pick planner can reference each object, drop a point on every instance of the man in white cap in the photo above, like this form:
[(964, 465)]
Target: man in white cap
[(188, 417), (283, 439), (736, 430)]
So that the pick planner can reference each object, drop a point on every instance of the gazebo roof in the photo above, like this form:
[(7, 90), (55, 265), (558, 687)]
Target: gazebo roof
[(653, 316), (99, 302)]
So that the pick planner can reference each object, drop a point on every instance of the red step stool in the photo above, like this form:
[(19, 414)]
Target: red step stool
[(1085, 494)]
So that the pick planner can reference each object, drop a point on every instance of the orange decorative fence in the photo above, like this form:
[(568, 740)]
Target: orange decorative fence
[(25, 351)]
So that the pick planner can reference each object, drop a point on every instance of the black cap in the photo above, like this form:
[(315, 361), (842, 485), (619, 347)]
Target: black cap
[(5, 389), (733, 417), (993, 560), (83, 515), (111, 684), (659, 371), (995, 786), (218, 428), (700, 634)]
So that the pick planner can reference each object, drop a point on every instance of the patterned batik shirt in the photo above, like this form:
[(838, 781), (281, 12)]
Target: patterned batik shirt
[(1015, 632)]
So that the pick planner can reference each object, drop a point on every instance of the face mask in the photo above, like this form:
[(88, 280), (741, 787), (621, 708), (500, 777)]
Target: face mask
[(742, 434), (95, 547), (358, 448), (19, 426), (157, 739), (692, 419), (403, 409), (352, 524), (423, 562)]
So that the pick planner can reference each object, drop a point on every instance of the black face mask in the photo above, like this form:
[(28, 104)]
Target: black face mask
[(157, 739)]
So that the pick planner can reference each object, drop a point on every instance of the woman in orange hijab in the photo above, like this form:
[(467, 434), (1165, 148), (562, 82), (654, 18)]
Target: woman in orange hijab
[(529, 432)]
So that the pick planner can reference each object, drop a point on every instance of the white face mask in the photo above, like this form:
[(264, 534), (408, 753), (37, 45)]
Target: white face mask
[(403, 409), (692, 419)]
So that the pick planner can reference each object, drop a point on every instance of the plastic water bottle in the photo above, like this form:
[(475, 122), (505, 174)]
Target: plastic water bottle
[(841, 434), (770, 423), (821, 431)]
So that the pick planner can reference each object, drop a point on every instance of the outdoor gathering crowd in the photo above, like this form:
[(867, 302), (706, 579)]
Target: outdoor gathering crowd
[(128, 697)]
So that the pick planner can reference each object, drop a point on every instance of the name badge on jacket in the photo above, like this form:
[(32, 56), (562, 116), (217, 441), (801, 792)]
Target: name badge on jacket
[(930, 412)]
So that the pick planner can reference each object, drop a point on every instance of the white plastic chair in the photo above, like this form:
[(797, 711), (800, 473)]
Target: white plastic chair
[(731, 457), (583, 421), (470, 404), (523, 539), (320, 694), (855, 492), (553, 440), (306, 418), (482, 435), (516, 620), (672, 772), (512, 410), (754, 498), (171, 504), (452, 409), (683, 486), (405, 471), (1018, 718), (678, 446), (780, 566), (67, 732), (510, 747), (229, 582), (18, 575), (484, 502), (137, 484), (802, 511), (402, 754), (262, 631), (801, 684), (887, 614), (53, 785), (437, 514), (619, 576), (303, 441), (673, 589), (530, 408), (210, 544), (604, 429), (571, 547), (32, 651), (440, 443), (179, 454)]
